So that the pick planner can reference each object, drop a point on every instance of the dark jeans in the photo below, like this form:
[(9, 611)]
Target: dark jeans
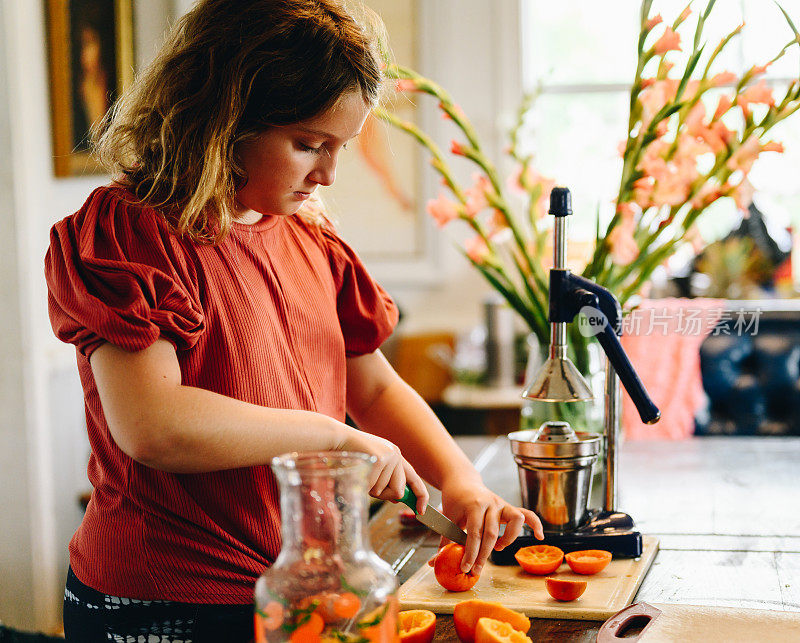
[(93, 617)]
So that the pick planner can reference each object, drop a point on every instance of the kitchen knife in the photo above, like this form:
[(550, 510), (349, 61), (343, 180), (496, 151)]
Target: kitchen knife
[(434, 520)]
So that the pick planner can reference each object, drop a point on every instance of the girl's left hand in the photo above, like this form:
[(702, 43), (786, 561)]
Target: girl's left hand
[(480, 512)]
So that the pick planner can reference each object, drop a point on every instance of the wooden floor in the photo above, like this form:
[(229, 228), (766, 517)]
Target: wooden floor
[(726, 512)]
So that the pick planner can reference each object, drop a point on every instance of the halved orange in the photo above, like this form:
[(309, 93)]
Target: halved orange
[(467, 614), (539, 559), (417, 626), (490, 630), (564, 589), (588, 561)]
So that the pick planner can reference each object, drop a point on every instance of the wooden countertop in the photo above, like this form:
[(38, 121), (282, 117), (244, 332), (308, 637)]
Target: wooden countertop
[(723, 508)]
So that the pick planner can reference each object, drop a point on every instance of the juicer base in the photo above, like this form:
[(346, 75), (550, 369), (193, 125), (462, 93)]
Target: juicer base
[(611, 531)]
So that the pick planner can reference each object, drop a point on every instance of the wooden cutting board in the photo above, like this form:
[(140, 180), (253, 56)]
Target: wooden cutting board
[(664, 622), (607, 593)]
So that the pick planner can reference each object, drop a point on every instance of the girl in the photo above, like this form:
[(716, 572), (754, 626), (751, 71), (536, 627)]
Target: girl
[(220, 321)]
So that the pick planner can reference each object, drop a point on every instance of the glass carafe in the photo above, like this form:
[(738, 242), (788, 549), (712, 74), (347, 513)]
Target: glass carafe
[(326, 584)]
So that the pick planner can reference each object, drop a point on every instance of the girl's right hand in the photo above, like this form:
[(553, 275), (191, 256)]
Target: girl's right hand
[(391, 473)]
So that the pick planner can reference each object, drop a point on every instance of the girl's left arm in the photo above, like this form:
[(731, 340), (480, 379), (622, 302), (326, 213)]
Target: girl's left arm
[(381, 403)]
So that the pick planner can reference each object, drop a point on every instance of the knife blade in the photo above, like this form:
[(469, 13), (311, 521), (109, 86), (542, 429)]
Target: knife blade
[(435, 520)]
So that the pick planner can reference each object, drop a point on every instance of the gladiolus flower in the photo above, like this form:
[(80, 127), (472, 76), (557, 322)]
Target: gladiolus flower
[(622, 245), (756, 70), (744, 157), (669, 41), (653, 22), (743, 194), (476, 194), (405, 85), (655, 97), (772, 146), (706, 196), (685, 13), (497, 223), (476, 249), (457, 148), (532, 178), (717, 136), (723, 78), (443, 210), (758, 93), (723, 106), (626, 210)]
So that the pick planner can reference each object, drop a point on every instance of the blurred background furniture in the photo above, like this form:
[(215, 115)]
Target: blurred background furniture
[(752, 379)]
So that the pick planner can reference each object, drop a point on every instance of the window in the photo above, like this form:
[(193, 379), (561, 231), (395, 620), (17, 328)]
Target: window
[(582, 56)]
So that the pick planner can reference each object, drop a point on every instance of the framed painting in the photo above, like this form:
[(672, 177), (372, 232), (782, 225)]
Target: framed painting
[(90, 59)]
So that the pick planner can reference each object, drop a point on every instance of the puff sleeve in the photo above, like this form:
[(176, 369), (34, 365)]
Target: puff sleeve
[(115, 274), (367, 314)]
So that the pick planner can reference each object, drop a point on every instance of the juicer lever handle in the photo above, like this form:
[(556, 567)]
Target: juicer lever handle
[(612, 347)]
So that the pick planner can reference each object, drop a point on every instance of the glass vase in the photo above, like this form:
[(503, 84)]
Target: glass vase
[(326, 584), (590, 360)]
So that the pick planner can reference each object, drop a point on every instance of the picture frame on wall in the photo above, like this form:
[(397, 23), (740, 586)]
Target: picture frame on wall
[(90, 60)]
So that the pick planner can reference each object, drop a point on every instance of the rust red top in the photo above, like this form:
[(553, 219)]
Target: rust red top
[(267, 316)]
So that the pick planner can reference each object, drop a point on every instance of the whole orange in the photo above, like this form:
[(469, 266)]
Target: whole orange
[(447, 569)]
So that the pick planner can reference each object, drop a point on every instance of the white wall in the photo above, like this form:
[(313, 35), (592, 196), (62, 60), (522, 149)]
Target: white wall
[(467, 45), (43, 448)]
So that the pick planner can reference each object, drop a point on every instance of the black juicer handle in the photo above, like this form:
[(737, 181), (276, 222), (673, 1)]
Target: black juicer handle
[(569, 293)]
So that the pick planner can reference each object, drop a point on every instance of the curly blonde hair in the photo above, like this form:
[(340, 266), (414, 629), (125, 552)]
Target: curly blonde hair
[(229, 70)]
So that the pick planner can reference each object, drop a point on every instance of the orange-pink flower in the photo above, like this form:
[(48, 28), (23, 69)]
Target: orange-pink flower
[(755, 70), (772, 146), (669, 41), (517, 183), (476, 194), (443, 210), (405, 85), (717, 136), (656, 96), (706, 196), (723, 78), (476, 249), (622, 245), (657, 19), (758, 93), (457, 148), (744, 157), (723, 106), (497, 223), (685, 13)]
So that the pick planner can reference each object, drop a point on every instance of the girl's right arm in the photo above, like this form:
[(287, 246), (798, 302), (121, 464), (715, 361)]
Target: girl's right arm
[(159, 422)]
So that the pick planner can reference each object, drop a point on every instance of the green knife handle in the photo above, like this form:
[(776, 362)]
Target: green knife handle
[(409, 499)]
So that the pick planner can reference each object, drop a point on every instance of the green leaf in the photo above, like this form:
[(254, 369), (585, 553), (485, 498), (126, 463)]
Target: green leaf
[(789, 20), (377, 619), (349, 588)]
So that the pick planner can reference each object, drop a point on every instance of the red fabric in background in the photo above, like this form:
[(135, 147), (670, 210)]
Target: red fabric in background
[(662, 340)]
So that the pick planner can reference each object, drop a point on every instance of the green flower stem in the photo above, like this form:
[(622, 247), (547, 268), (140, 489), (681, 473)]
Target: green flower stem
[(722, 44), (438, 159)]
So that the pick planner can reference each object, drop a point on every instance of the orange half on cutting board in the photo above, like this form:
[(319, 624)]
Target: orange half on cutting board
[(490, 630)]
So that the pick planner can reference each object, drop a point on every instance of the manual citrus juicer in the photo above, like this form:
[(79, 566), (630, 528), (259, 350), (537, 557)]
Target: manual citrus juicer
[(555, 461)]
